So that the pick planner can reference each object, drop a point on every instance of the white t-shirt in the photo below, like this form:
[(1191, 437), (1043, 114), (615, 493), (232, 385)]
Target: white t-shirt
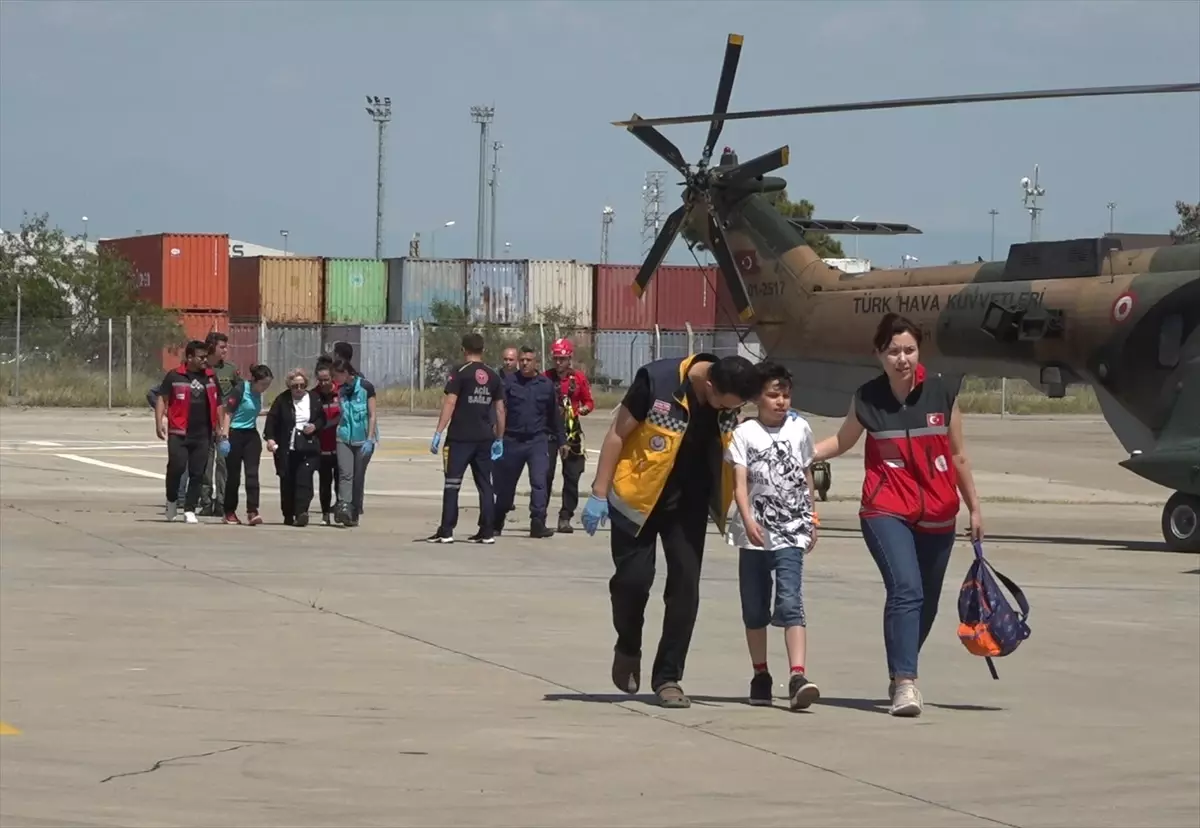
[(775, 461), (301, 407)]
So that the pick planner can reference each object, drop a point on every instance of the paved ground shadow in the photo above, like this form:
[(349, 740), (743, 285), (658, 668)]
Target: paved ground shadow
[(1127, 545), (866, 705)]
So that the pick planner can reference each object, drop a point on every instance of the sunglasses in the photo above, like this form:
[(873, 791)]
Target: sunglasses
[(300, 386)]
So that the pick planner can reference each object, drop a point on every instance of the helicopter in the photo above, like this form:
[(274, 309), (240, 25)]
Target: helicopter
[(1117, 312)]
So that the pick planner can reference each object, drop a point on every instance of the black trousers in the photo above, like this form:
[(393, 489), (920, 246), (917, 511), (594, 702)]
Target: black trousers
[(458, 457), (295, 482), (188, 454), (572, 469), (681, 531), (327, 472), (245, 450)]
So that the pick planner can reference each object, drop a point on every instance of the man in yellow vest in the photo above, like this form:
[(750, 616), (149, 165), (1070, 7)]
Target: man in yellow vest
[(661, 474)]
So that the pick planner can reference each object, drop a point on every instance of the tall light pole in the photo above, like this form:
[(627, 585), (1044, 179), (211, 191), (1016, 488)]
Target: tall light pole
[(1032, 193), (482, 115), (855, 239), (380, 112), (606, 220), (433, 239), (496, 147), (1112, 206), (284, 233), (993, 213), (85, 229)]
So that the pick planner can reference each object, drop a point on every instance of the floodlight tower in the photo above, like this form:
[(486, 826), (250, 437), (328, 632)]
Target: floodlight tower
[(1112, 207), (380, 112), (482, 115), (606, 220), (1032, 192), (652, 208)]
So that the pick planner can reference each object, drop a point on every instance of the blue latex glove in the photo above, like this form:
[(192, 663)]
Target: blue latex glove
[(368, 448), (437, 442), (497, 449), (595, 513), (223, 448)]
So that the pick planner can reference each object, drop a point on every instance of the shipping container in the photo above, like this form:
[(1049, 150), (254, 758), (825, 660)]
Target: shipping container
[(291, 346), (243, 345), (497, 290), (615, 305), (196, 326), (692, 295), (415, 284), (181, 271), (355, 291), (350, 334), (389, 355), (283, 290), (619, 355), (565, 286)]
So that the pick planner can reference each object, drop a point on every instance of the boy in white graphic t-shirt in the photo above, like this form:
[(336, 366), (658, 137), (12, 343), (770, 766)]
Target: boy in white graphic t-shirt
[(775, 526)]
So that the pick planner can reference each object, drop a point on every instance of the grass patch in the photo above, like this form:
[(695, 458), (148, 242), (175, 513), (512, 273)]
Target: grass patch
[(66, 387)]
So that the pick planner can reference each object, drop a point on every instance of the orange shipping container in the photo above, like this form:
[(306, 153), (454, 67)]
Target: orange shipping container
[(284, 290), (182, 271), (195, 326)]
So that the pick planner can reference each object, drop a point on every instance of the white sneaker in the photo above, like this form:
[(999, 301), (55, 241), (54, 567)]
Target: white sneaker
[(190, 517), (906, 701), (171, 511)]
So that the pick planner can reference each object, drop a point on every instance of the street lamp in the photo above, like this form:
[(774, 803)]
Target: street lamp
[(855, 239), (284, 233), (85, 228), (433, 239)]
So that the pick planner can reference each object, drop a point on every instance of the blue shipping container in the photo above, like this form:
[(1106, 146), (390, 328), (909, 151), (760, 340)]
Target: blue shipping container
[(497, 290), (415, 284)]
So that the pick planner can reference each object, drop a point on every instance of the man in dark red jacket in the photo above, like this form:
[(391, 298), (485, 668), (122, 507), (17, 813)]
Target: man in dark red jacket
[(575, 399), (186, 415)]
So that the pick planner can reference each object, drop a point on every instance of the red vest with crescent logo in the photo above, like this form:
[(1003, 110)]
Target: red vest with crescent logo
[(179, 406), (910, 470)]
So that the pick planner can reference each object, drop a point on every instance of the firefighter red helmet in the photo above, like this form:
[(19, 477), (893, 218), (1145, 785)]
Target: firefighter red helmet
[(562, 348)]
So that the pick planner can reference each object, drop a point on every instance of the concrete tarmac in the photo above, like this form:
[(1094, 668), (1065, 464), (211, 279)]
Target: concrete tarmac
[(157, 674)]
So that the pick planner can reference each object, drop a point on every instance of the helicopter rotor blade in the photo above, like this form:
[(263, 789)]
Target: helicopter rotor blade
[(658, 142), (733, 279), (658, 252), (733, 52), (905, 103), (755, 167)]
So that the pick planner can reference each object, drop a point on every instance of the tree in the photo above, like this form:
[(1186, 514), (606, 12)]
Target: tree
[(1188, 229), (825, 246)]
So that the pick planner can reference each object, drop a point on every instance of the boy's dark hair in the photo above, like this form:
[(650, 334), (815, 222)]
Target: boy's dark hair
[(343, 366), (324, 361), (770, 372), (344, 350), (193, 347), (735, 375), (889, 326), (472, 343)]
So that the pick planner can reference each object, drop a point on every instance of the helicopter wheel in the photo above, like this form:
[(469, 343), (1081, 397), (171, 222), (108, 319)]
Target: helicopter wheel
[(822, 479), (1181, 523)]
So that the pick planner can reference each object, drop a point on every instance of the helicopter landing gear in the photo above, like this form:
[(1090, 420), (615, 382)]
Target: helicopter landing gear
[(1181, 523), (822, 478)]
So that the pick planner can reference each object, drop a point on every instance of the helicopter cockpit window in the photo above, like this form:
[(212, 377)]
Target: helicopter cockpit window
[(1170, 341)]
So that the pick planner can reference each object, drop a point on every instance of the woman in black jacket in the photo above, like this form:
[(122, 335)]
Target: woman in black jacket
[(291, 432)]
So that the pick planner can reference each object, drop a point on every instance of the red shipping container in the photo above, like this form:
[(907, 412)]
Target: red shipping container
[(181, 271), (195, 326), (693, 295), (616, 306)]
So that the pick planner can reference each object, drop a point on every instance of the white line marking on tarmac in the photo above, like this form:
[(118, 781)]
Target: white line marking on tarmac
[(91, 461), (44, 443)]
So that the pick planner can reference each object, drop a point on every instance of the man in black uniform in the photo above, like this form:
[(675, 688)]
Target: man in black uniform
[(475, 438)]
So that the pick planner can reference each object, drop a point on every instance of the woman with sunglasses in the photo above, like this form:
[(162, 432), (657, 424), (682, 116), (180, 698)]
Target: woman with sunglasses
[(291, 432)]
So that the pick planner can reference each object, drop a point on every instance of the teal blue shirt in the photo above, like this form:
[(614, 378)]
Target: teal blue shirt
[(245, 405)]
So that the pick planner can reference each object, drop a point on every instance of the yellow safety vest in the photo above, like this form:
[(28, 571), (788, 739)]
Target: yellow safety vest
[(648, 453)]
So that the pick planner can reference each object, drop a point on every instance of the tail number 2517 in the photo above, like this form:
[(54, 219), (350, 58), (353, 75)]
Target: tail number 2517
[(765, 289)]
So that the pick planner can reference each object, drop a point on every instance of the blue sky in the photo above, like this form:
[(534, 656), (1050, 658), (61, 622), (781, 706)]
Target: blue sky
[(247, 117)]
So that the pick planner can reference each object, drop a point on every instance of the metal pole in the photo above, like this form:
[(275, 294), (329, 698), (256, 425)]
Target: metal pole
[(496, 147), (482, 115), (379, 194), (110, 362), (993, 213), (17, 369), (1112, 206), (412, 374), (128, 354), (1003, 396)]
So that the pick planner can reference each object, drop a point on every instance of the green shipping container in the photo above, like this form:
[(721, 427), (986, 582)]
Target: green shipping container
[(355, 291)]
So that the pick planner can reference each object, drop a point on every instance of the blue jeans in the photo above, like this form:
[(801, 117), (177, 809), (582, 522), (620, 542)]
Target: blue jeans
[(913, 566), (755, 567)]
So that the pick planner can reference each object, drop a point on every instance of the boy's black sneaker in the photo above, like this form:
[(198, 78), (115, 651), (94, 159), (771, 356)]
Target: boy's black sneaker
[(479, 537), (760, 689), (802, 692), (440, 537)]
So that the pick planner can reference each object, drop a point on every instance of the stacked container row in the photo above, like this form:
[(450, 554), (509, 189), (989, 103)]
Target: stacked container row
[(414, 285), (497, 291), (276, 289), (180, 271), (356, 291)]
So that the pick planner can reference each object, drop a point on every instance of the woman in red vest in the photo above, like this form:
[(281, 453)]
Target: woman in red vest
[(916, 466)]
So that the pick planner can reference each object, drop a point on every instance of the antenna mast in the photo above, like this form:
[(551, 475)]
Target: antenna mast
[(380, 112), (1032, 192), (652, 209), (606, 220)]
